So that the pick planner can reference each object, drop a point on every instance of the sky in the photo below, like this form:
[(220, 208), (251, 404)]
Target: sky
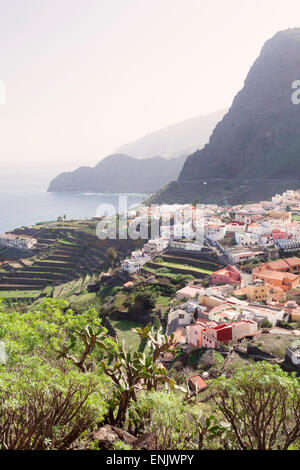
[(83, 77)]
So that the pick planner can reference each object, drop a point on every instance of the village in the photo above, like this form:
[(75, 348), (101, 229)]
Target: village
[(256, 289), (223, 279)]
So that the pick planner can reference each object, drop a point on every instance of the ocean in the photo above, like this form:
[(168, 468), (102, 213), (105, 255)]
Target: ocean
[(29, 204)]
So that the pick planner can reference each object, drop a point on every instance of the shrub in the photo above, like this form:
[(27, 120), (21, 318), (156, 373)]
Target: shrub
[(172, 424), (262, 404), (43, 408)]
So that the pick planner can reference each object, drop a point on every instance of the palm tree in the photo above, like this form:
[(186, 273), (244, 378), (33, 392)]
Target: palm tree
[(112, 255)]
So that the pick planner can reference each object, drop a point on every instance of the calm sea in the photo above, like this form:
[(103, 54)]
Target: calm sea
[(26, 205)]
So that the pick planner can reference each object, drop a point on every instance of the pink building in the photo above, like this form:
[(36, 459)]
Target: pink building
[(229, 275), (194, 332), (189, 292), (212, 337)]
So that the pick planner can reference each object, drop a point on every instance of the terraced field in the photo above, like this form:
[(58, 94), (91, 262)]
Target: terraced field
[(65, 252), (60, 258), (169, 265), (181, 265)]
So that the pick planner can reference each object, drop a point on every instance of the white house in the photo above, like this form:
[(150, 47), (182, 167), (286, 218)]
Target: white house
[(215, 232), (157, 245), (242, 216), (246, 238), (20, 242), (136, 262), (235, 227)]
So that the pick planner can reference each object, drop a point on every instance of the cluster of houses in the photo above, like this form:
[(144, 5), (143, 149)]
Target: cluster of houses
[(233, 306), (282, 273), (215, 316), (264, 223), (138, 258)]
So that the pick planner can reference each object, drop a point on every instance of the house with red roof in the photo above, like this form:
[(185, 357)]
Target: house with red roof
[(228, 275), (196, 383)]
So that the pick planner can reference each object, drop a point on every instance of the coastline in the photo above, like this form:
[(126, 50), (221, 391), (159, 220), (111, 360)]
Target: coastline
[(29, 206)]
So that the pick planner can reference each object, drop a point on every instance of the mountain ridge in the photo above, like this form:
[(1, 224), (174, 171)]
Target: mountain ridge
[(120, 173), (111, 173)]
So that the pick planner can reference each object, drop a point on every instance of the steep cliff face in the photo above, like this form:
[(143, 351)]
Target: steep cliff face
[(260, 134), (120, 173)]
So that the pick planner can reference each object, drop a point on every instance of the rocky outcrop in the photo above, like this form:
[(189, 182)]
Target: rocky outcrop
[(258, 139)]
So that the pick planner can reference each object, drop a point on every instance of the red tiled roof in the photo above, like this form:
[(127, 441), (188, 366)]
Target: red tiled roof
[(198, 382)]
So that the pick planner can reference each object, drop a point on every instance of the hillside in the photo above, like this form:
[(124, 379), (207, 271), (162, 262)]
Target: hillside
[(120, 173), (258, 140), (181, 138)]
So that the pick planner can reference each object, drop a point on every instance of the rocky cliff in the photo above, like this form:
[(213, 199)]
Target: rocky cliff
[(257, 140)]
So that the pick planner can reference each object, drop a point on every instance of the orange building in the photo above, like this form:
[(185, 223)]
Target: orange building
[(290, 265), (283, 273)]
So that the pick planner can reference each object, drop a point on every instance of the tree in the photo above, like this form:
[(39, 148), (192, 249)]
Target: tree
[(266, 324), (196, 201), (142, 302), (172, 423), (112, 255), (127, 369), (262, 404), (43, 408), (45, 401)]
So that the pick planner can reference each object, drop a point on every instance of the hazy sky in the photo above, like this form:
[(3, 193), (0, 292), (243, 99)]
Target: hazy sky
[(85, 76)]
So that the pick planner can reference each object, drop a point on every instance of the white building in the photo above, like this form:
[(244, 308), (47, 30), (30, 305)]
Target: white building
[(136, 262), (235, 227), (186, 246), (215, 232), (156, 246), (242, 216), (277, 199), (246, 238), (166, 231), (20, 242)]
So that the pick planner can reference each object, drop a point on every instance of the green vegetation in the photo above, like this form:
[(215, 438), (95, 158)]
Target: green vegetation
[(62, 376), (14, 294), (185, 267), (261, 403), (274, 344), (124, 332), (45, 404)]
